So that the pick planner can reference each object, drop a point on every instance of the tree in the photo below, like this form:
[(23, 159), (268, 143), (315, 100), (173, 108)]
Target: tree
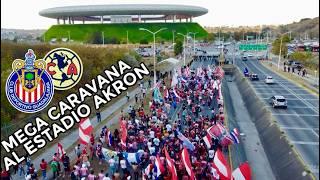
[(209, 38), (144, 41), (95, 38), (276, 45), (178, 48)]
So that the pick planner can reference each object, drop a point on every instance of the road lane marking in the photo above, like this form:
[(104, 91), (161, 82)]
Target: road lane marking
[(283, 94), (296, 99), (298, 128), (315, 109), (299, 115), (315, 133), (305, 143)]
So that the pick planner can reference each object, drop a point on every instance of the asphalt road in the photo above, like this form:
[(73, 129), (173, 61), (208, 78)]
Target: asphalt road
[(300, 121)]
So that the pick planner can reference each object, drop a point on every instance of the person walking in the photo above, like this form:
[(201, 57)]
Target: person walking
[(98, 116), (43, 167), (54, 168), (128, 96)]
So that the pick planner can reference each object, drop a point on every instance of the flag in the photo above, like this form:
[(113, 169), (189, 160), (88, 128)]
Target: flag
[(217, 131), (107, 153), (176, 94), (166, 93), (110, 138), (157, 95), (234, 135), (187, 163), (60, 151), (174, 79), (146, 172), (85, 129), (171, 166), (123, 135), (159, 169), (186, 142), (220, 164), (207, 140), (187, 71), (131, 157), (243, 172)]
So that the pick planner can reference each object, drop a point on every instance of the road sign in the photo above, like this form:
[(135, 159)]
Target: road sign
[(248, 47)]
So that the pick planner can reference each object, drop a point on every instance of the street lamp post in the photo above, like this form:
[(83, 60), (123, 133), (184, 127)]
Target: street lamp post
[(194, 42), (102, 37), (281, 49), (154, 51), (184, 48), (315, 77)]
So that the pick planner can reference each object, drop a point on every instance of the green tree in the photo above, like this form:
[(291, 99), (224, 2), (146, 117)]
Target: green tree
[(276, 45), (95, 38), (178, 47), (144, 41), (209, 38)]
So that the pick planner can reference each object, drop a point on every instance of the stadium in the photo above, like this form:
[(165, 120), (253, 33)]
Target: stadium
[(122, 21), (124, 13)]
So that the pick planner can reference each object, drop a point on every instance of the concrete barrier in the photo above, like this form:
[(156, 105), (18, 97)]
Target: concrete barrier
[(286, 163)]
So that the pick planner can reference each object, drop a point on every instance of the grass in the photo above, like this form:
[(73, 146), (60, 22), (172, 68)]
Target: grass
[(296, 80), (81, 32)]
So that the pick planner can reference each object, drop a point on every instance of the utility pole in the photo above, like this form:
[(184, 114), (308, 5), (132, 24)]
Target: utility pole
[(127, 37), (184, 47), (102, 37), (69, 36)]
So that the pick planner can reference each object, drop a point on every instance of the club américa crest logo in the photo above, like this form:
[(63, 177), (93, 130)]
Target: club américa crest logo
[(29, 87), (65, 68)]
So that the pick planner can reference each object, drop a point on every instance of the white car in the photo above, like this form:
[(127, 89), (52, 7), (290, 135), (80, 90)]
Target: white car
[(269, 80), (278, 101), (250, 55)]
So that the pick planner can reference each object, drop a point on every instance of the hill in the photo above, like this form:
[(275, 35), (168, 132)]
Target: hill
[(306, 26), (83, 32)]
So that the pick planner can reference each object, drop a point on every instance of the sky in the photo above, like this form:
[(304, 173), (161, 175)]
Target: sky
[(23, 14)]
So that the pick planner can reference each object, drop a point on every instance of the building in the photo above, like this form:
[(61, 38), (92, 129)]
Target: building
[(123, 13)]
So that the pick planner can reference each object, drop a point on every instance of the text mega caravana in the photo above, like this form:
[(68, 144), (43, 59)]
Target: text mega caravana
[(103, 88)]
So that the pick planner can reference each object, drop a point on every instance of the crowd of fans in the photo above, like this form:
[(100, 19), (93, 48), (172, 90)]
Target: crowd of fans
[(190, 107)]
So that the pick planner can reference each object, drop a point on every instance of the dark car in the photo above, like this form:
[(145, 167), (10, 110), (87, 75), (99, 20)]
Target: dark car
[(244, 58), (254, 77)]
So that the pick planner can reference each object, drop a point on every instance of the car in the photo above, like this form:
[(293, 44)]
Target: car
[(254, 77), (278, 101), (260, 57), (250, 55), (269, 80), (244, 58)]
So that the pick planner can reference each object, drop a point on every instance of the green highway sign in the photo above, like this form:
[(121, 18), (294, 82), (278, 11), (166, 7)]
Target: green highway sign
[(257, 47)]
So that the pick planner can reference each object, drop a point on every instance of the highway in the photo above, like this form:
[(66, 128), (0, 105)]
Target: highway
[(300, 121)]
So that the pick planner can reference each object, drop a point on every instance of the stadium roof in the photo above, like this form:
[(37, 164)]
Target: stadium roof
[(123, 9)]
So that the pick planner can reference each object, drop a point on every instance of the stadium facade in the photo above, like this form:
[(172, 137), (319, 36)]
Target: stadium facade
[(124, 13)]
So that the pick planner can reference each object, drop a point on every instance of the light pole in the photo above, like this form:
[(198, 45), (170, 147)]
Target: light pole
[(280, 49), (194, 41), (173, 31), (184, 49), (154, 51), (102, 37), (69, 36), (315, 76)]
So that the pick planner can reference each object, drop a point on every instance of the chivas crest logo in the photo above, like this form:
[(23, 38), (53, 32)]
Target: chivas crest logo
[(29, 87)]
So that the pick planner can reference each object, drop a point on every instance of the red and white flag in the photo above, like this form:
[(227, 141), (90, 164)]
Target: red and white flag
[(171, 166), (159, 166), (207, 140), (243, 172), (85, 129), (187, 163), (124, 133), (60, 151), (220, 164)]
